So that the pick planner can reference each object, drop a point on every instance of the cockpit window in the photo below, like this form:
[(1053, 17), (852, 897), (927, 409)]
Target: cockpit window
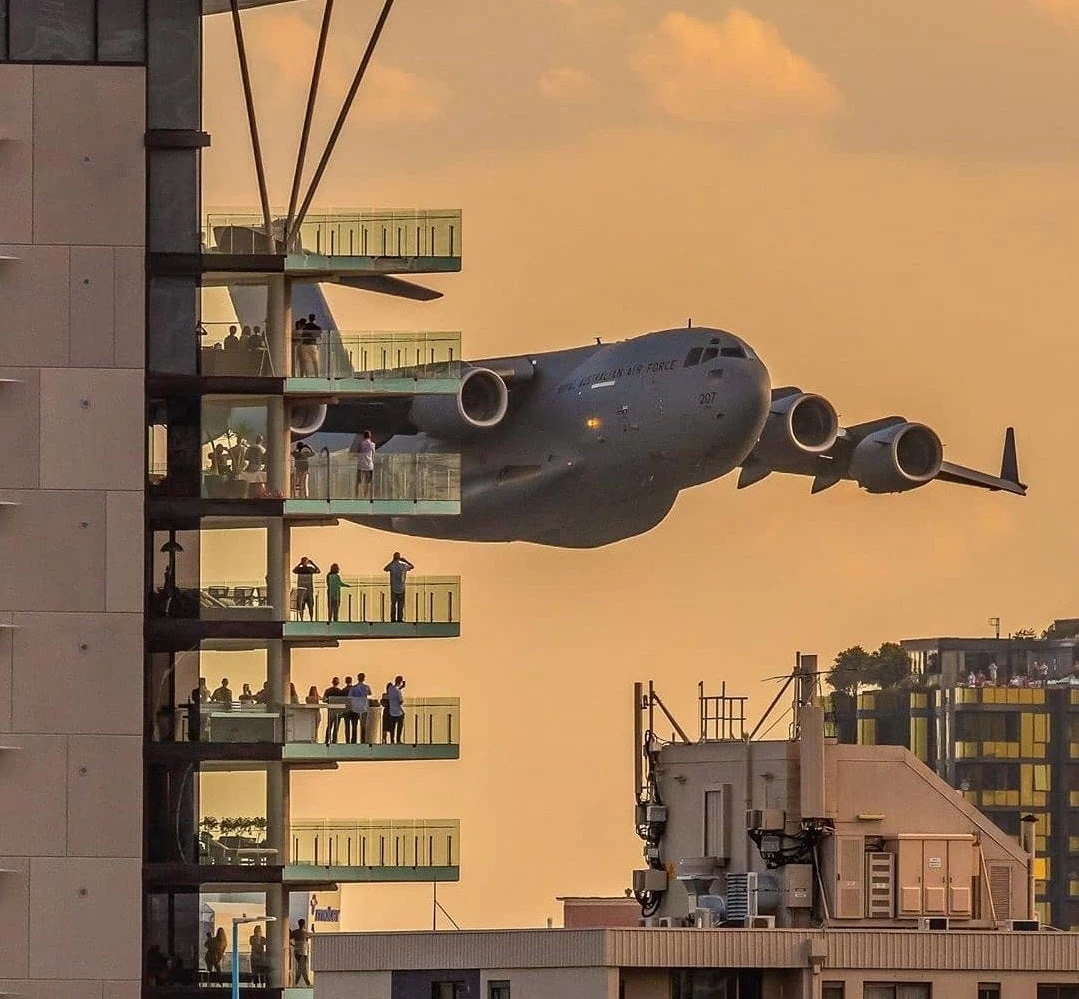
[(693, 357), (736, 351), (709, 354)]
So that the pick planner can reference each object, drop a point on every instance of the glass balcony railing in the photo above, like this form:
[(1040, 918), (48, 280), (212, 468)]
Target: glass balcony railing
[(428, 721), (377, 843), (246, 601), (232, 349), (404, 477), (427, 600), (401, 234)]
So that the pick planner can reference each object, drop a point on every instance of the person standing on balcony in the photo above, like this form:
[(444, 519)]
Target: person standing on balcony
[(350, 718), (232, 341), (333, 695), (223, 695), (398, 568), (395, 700), (301, 463), (301, 953), (364, 449), (359, 697), (334, 583), (310, 339), (305, 572)]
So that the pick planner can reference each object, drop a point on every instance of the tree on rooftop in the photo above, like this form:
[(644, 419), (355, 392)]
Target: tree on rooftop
[(850, 670), (890, 665)]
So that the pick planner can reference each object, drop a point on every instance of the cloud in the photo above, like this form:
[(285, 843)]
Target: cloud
[(388, 95), (732, 71), (565, 83)]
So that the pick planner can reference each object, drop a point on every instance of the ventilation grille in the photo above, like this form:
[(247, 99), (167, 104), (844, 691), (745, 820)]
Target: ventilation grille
[(741, 897), (1000, 890), (880, 880)]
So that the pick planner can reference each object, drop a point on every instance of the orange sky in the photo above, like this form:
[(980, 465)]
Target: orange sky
[(882, 199)]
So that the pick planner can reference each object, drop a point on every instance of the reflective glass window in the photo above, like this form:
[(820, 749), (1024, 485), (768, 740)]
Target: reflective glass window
[(57, 31)]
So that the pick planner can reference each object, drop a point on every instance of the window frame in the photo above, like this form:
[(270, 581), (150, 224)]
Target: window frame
[(499, 989)]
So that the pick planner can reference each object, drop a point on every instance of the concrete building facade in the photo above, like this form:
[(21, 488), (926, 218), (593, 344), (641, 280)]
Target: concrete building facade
[(111, 390)]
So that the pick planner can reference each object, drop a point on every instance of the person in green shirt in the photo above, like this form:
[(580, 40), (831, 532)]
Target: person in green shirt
[(334, 582)]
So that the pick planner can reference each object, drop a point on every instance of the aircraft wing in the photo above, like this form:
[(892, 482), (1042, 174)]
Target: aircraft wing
[(886, 455)]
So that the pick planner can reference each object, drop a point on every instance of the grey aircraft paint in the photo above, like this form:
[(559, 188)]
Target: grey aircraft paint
[(597, 441)]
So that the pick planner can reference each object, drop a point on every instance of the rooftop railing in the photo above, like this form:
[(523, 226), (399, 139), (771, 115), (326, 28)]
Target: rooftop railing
[(376, 843), (232, 349), (404, 234)]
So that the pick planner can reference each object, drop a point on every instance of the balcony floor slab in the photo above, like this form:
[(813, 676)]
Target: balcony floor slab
[(300, 508), (377, 386), (344, 752), (300, 874), (330, 267), (306, 630)]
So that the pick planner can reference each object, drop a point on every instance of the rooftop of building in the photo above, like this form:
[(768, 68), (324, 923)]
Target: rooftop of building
[(898, 949)]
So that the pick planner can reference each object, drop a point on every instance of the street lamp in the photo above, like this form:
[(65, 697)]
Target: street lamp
[(238, 921)]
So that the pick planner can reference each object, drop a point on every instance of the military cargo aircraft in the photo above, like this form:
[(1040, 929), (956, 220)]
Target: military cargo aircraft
[(583, 447)]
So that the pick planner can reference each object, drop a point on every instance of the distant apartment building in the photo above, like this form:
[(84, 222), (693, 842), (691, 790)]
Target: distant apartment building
[(140, 442), (998, 719)]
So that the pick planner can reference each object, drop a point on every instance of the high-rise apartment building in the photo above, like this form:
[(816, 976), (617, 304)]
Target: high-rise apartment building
[(140, 442), (998, 718)]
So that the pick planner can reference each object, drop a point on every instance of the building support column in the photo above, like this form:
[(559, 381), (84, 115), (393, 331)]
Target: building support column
[(279, 324), (277, 905), (278, 557)]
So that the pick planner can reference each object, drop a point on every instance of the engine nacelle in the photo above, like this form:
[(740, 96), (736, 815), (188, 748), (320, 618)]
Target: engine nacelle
[(306, 419), (897, 458), (479, 405), (797, 425)]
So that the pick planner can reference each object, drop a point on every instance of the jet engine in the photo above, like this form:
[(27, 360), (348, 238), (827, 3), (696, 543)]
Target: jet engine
[(306, 419), (799, 424), (480, 404), (897, 458)]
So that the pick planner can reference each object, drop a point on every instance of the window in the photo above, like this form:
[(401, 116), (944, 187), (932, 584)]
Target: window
[(1058, 992), (693, 357), (732, 352), (498, 990), (987, 726), (899, 990), (988, 990), (709, 355), (449, 990), (832, 990), (82, 31)]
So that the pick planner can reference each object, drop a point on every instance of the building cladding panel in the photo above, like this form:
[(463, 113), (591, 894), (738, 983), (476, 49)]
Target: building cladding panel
[(72, 259)]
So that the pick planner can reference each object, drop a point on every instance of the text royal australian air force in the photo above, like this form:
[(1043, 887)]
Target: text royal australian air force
[(611, 375)]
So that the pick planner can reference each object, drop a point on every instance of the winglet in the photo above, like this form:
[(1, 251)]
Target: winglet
[(1009, 462)]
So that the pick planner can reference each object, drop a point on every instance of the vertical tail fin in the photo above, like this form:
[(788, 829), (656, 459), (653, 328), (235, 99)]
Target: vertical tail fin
[(1009, 462)]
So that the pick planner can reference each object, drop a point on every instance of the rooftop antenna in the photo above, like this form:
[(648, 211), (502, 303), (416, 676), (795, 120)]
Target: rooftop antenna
[(689, 323), (994, 622)]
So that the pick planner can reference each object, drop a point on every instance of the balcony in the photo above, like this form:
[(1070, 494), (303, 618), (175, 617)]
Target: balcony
[(400, 485), (431, 729), (431, 609), (327, 851), (339, 246), (336, 362), (375, 850), (241, 610)]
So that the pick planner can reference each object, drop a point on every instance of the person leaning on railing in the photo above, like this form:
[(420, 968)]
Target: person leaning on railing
[(334, 583)]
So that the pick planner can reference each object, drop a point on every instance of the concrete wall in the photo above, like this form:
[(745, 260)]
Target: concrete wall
[(72, 222), (355, 985)]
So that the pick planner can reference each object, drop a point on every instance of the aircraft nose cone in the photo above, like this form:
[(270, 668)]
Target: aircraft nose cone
[(751, 407)]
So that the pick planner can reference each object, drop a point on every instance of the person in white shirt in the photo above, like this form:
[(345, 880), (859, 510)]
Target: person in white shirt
[(359, 695), (364, 449)]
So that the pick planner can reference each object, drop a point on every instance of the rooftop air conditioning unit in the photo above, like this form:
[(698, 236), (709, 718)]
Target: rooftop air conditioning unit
[(741, 897), (1024, 925), (933, 923), (649, 922), (655, 813), (668, 922), (761, 922)]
